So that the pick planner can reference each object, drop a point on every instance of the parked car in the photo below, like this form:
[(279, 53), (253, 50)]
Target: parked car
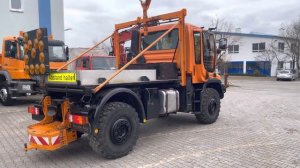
[(286, 75)]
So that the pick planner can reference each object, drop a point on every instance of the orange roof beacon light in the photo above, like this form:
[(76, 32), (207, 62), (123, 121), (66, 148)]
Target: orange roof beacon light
[(39, 34), (36, 43), (42, 57)]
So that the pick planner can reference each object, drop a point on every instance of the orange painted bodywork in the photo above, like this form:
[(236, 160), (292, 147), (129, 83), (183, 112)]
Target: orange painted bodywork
[(14, 66), (185, 53), (56, 65)]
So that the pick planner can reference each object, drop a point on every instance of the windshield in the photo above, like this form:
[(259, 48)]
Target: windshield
[(284, 72), (57, 54), (166, 43), (104, 63)]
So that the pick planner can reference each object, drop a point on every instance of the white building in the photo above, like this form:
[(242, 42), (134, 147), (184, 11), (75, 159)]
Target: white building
[(255, 53), (25, 15)]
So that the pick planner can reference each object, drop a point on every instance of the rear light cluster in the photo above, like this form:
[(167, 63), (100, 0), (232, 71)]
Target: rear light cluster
[(77, 119), (34, 110)]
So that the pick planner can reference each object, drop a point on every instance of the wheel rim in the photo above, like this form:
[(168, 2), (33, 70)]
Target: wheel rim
[(3, 94), (212, 106), (120, 131)]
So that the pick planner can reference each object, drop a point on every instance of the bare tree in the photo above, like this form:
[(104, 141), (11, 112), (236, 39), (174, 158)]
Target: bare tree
[(270, 53), (104, 48), (291, 36), (224, 29)]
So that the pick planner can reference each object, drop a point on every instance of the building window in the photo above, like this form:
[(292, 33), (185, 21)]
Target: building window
[(280, 65), (233, 49), (16, 5), (258, 47), (281, 47)]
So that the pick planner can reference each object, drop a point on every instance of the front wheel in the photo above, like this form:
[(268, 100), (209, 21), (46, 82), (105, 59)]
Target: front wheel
[(5, 96), (115, 130), (210, 106)]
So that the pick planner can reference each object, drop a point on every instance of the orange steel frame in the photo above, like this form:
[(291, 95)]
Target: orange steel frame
[(180, 15)]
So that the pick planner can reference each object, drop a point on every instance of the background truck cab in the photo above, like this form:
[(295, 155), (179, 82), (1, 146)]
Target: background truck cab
[(14, 81)]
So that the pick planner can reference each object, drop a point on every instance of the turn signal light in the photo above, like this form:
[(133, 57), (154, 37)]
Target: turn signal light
[(42, 69), (31, 69), (25, 37), (29, 43), (42, 57), (33, 110), (39, 34), (36, 43), (26, 49), (37, 69), (41, 46), (26, 59), (26, 69), (33, 53), (77, 119)]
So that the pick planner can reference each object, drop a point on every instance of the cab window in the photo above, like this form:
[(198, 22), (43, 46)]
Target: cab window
[(209, 51), (168, 42), (11, 49), (197, 47), (86, 63)]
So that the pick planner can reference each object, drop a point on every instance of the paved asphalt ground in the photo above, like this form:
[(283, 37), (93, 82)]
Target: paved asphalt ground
[(259, 126)]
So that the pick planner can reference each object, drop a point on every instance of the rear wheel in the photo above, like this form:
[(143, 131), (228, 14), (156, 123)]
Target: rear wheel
[(210, 106), (115, 132), (5, 96)]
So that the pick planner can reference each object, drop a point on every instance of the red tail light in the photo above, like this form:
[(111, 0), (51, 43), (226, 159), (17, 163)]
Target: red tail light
[(77, 119), (33, 110)]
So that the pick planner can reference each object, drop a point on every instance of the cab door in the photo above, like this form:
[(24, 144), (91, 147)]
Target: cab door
[(13, 59), (204, 54), (199, 73)]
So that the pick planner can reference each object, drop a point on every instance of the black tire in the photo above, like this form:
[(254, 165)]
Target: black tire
[(210, 107), (118, 126), (5, 96)]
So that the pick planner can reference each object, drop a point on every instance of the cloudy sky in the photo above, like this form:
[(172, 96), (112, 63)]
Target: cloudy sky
[(92, 20)]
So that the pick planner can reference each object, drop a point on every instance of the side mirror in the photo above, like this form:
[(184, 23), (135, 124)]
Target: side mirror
[(222, 44), (67, 53)]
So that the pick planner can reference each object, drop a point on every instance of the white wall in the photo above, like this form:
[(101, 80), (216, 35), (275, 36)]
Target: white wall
[(13, 22)]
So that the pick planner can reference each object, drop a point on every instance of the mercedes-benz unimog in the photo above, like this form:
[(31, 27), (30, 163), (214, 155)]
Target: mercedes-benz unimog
[(171, 69)]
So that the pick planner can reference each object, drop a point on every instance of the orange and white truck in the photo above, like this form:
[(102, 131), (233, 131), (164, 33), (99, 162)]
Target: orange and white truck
[(14, 81)]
